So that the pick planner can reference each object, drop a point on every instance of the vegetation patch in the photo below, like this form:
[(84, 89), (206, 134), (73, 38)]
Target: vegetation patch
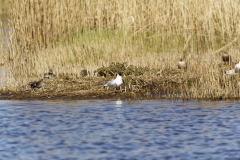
[(125, 68), (139, 83), (106, 37)]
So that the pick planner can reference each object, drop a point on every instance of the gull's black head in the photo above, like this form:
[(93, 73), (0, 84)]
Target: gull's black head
[(120, 73)]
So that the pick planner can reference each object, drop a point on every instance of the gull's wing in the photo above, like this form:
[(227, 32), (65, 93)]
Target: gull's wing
[(111, 83)]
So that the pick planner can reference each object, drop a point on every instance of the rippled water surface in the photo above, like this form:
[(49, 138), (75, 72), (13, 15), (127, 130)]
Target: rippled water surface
[(104, 129)]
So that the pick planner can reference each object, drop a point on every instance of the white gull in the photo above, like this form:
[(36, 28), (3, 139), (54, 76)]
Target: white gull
[(117, 82), (237, 68)]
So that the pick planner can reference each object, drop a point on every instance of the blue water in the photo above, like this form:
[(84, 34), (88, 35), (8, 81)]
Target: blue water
[(105, 129)]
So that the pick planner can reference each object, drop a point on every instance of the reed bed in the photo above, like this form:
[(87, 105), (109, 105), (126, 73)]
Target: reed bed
[(68, 36)]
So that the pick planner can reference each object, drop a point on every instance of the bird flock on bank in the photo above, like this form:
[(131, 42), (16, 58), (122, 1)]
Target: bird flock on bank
[(227, 59), (117, 82)]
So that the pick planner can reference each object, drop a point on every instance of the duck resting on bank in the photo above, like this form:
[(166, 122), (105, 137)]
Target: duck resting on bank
[(226, 58), (49, 74), (36, 84)]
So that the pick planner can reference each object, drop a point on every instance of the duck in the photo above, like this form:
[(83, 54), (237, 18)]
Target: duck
[(49, 74), (226, 57), (182, 64), (117, 82), (84, 73), (46, 76), (36, 84), (237, 68)]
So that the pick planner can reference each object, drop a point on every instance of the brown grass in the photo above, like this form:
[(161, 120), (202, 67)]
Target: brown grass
[(68, 36)]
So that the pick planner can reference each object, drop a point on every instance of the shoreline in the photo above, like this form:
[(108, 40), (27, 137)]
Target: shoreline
[(102, 95), (50, 91), (138, 84)]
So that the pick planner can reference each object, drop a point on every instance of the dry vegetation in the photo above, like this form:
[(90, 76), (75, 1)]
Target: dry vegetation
[(68, 36)]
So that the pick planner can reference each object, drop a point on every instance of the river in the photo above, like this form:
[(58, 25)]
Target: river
[(107, 129)]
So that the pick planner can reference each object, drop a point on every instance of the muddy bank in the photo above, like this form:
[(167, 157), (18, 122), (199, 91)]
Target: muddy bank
[(83, 88), (92, 88), (80, 95), (138, 83)]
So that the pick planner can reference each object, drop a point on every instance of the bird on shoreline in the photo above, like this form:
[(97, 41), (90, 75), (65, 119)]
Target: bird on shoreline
[(237, 68), (226, 58), (182, 64), (84, 73), (36, 84), (49, 74), (46, 75), (117, 82)]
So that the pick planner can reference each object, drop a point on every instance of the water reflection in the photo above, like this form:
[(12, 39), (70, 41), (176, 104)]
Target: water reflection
[(119, 103), (119, 108), (105, 129)]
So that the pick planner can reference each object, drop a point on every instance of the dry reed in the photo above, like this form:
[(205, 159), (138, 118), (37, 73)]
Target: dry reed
[(72, 35)]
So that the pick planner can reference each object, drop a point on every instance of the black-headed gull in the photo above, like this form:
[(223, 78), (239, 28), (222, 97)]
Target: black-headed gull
[(182, 64), (117, 82), (237, 68)]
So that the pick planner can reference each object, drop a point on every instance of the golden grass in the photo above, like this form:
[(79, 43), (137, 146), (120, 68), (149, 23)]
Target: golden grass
[(180, 25), (68, 36)]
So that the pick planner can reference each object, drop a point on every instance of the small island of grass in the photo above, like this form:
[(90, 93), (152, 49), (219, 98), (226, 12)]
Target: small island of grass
[(144, 40)]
